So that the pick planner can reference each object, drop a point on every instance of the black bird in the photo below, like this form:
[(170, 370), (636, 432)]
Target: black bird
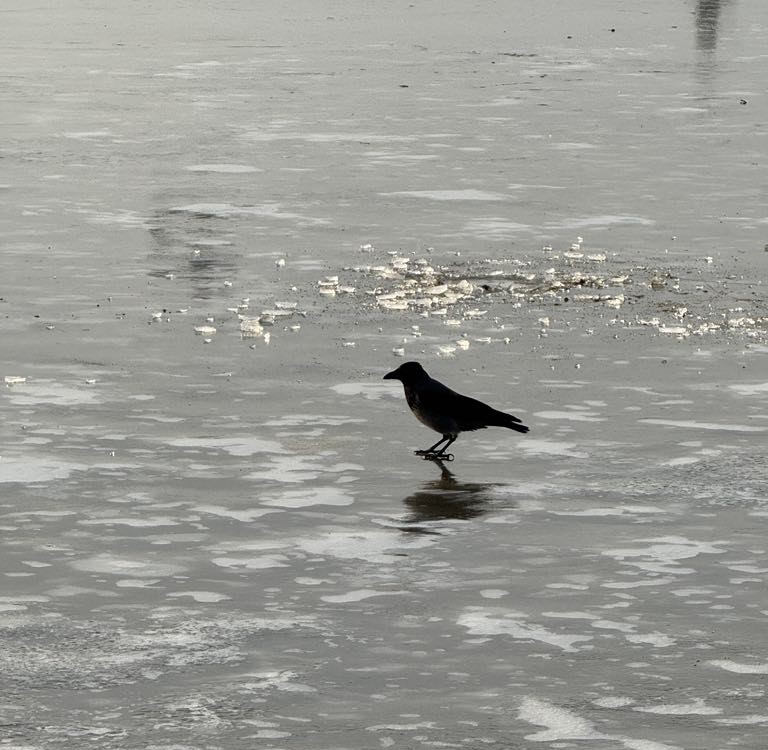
[(445, 411)]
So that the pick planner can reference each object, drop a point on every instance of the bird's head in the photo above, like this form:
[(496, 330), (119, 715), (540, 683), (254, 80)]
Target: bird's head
[(408, 372)]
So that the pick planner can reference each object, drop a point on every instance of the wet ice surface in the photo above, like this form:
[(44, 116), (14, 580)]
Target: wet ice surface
[(214, 531)]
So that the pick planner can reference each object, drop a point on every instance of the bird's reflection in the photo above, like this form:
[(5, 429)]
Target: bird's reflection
[(195, 245), (707, 23), (444, 499)]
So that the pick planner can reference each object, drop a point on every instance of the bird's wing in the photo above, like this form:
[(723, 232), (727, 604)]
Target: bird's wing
[(468, 412)]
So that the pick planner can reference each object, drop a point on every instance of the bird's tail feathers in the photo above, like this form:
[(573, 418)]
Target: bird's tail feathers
[(510, 422)]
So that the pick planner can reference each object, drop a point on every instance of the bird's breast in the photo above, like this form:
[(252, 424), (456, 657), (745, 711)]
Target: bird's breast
[(434, 419)]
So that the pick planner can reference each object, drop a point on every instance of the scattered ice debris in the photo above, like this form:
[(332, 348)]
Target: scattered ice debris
[(489, 291)]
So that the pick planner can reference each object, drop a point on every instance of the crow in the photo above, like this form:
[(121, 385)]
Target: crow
[(445, 411)]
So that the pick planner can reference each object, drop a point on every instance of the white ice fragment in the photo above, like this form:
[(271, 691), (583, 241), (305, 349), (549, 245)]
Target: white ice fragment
[(251, 327), (327, 291), (674, 330), (157, 316), (462, 344), (452, 322), (267, 337), (475, 313), (422, 302), (280, 262), (286, 305), (227, 283), (437, 290), (597, 257), (398, 351), (349, 343), (544, 322), (464, 286), (14, 379), (205, 330), (397, 305)]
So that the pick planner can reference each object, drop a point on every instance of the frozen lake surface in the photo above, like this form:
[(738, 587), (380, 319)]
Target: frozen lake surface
[(221, 226)]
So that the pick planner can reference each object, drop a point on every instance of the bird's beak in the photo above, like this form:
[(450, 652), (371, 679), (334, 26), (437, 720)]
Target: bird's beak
[(391, 375)]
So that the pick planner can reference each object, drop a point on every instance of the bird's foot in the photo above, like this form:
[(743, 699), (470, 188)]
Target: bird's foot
[(437, 456)]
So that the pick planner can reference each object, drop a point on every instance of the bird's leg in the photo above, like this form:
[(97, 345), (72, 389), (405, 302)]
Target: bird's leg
[(433, 449), (442, 454)]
